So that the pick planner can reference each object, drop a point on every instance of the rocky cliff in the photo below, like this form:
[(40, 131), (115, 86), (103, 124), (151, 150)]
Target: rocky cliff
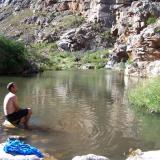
[(93, 10), (47, 20), (81, 25), (138, 38)]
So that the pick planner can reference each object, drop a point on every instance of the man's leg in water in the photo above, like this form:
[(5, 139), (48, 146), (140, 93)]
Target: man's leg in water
[(24, 120)]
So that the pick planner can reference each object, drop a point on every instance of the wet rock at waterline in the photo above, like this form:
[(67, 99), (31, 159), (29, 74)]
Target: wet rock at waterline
[(90, 157), (143, 69), (149, 155)]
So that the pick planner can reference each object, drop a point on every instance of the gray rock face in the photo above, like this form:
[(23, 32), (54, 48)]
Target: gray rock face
[(82, 38), (76, 39), (18, 4), (138, 34), (4, 14), (93, 10), (100, 11)]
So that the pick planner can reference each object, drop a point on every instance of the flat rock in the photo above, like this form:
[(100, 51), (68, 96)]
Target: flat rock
[(7, 124)]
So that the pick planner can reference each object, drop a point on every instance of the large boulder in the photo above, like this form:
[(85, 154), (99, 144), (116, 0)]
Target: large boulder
[(143, 69), (77, 38)]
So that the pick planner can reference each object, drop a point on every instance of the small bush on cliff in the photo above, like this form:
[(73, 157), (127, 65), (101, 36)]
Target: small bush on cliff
[(147, 95), (106, 34), (157, 30), (151, 20)]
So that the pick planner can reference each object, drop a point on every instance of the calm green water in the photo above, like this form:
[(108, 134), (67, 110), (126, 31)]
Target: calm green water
[(81, 112)]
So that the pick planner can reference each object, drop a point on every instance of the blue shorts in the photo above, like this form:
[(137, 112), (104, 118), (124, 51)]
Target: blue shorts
[(16, 116)]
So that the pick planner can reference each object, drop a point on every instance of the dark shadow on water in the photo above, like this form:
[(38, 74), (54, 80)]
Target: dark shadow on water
[(33, 129), (39, 128)]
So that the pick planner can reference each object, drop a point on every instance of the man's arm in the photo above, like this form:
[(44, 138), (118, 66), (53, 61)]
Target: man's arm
[(15, 102)]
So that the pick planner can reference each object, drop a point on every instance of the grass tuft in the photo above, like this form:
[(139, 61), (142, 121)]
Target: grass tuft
[(147, 95)]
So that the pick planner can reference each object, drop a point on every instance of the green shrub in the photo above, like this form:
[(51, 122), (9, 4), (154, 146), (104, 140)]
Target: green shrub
[(17, 59), (157, 30), (95, 57), (62, 60), (129, 61), (40, 54), (106, 34), (147, 95), (151, 20), (13, 55)]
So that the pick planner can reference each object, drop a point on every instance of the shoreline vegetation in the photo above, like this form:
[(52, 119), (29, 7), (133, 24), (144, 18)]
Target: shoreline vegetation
[(18, 59), (146, 96), (62, 60)]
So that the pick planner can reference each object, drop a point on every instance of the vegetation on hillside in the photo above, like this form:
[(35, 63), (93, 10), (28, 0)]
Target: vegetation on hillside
[(68, 21), (151, 20), (41, 53), (15, 58), (66, 60), (146, 95)]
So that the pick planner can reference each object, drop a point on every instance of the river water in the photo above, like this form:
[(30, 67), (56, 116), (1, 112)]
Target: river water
[(81, 112)]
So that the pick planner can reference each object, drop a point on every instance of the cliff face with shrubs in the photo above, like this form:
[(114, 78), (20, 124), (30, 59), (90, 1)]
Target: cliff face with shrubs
[(138, 38), (89, 25)]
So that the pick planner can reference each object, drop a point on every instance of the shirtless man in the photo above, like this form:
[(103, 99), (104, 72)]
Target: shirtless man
[(13, 113)]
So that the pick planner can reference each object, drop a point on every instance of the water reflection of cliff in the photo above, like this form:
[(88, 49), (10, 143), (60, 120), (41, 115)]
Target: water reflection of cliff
[(81, 112), (90, 106)]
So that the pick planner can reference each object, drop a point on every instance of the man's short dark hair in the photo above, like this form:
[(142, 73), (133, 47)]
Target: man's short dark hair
[(9, 85)]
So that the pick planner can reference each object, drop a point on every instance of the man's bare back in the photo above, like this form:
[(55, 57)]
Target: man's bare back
[(9, 103)]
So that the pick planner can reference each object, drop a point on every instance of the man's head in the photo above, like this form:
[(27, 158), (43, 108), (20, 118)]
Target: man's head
[(12, 87)]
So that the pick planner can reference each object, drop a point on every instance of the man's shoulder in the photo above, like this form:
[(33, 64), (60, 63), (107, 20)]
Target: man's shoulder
[(11, 95)]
